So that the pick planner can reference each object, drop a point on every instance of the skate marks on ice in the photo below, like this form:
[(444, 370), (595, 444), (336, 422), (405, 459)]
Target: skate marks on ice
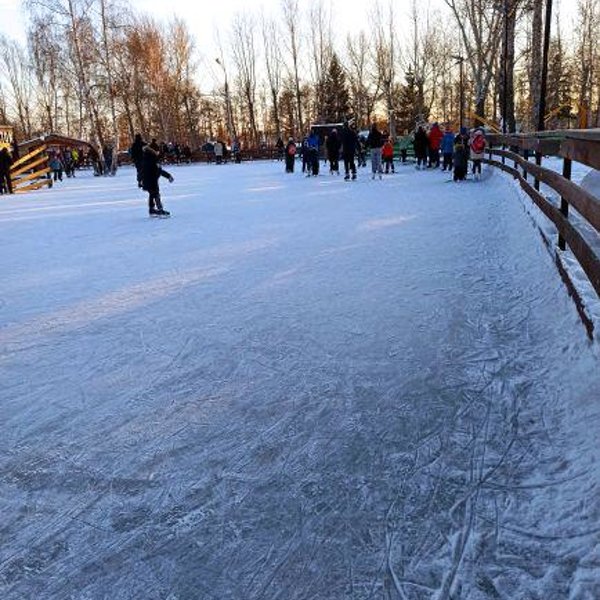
[(326, 443)]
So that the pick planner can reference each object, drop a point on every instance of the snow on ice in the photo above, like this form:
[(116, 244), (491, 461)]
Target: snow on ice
[(294, 388)]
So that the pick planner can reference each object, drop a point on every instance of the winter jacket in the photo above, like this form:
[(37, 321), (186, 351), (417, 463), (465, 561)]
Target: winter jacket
[(421, 143), (151, 171), (448, 143), (333, 145), (460, 154), (290, 149), (435, 137), (388, 150), (477, 146), (375, 138), (5, 161), (313, 141), (349, 139)]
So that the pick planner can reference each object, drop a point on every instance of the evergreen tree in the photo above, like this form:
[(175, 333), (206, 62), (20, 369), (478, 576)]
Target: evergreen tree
[(559, 100), (410, 106), (333, 93)]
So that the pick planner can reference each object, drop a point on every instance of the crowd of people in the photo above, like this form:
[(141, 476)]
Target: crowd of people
[(433, 148)]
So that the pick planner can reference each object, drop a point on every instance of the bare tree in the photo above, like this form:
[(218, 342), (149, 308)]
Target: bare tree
[(291, 15), (14, 65), (273, 64), (363, 92), (385, 58), (244, 55), (321, 44), (480, 25)]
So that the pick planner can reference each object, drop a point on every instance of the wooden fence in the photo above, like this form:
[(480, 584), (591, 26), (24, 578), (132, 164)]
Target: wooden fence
[(579, 146), (31, 172)]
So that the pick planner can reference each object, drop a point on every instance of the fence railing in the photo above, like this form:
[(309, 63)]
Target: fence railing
[(582, 147), (30, 172)]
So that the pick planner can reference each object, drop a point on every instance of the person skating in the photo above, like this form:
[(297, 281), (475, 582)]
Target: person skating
[(152, 172), (290, 156), (375, 141), (333, 151), (350, 144)]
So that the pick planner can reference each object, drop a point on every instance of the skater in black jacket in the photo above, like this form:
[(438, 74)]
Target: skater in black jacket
[(350, 143), (151, 174)]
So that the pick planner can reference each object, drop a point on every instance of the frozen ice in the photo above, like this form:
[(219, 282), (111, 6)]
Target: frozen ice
[(294, 388)]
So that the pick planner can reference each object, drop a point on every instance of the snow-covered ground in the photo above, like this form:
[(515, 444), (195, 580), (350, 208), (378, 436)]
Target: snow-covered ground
[(295, 388)]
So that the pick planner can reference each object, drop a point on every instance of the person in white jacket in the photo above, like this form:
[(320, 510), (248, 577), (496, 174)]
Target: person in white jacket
[(477, 147)]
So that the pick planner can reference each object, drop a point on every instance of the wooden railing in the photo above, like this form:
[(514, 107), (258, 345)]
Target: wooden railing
[(583, 147), (30, 172)]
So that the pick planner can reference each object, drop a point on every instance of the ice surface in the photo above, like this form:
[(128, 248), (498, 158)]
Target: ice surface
[(294, 388)]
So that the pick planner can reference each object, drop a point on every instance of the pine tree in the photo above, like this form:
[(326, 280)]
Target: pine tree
[(410, 106), (333, 93)]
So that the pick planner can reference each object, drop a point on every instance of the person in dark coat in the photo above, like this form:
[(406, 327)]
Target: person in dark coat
[(350, 143), (290, 155), (137, 156), (421, 145), (333, 145), (460, 157), (152, 172), (5, 163)]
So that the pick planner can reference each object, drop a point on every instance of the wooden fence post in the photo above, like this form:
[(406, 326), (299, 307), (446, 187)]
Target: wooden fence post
[(526, 157), (564, 205)]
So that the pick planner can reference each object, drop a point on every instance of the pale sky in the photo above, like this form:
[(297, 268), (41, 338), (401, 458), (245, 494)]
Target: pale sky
[(204, 16)]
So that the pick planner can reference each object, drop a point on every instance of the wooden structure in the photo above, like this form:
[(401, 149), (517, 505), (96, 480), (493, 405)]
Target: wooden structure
[(31, 171), (582, 146)]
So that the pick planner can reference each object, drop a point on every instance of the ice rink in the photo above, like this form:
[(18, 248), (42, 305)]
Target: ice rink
[(294, 388)]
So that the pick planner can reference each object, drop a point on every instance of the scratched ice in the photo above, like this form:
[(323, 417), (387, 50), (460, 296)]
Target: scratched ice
[(295, 388)]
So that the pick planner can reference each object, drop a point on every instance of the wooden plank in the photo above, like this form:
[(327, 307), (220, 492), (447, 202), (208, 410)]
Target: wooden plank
[(23, 168), (36, 185), (30, 176), (585, 203), (586, 151), (27, 157)]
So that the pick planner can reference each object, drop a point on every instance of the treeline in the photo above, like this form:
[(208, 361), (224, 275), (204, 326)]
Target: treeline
[(98, 70)]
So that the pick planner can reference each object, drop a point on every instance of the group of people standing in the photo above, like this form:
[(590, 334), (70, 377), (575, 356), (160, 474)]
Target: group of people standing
[(430, 146), (455, 150), (346, 144)]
